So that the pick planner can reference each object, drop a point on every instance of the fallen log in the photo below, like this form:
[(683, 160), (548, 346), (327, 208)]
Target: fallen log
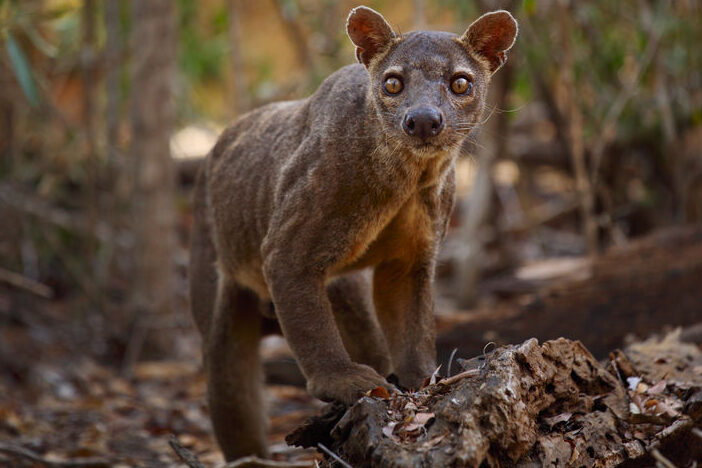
[(636, 289), (531, 405)]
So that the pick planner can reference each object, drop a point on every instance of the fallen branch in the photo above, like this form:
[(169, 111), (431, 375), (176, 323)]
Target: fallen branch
[(334, 456), (661, 459), (460, 376), (28, 284), (255, 462), (184, 454), (635, 289), (21, 452)]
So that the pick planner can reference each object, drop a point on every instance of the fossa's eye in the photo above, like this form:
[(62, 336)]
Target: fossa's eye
[(461, 85), (392, 85)]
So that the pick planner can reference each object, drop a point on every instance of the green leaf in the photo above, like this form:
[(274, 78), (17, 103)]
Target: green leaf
[(530, 7), (22, 69)]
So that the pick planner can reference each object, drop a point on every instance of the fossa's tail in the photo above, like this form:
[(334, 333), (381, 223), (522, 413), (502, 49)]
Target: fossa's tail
[(202, 273)]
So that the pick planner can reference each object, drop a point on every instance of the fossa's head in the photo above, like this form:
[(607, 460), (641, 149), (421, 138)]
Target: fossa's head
[(428, 88)]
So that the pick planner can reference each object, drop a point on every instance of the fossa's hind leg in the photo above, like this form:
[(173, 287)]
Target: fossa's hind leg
[(234, 373), (352, 303)]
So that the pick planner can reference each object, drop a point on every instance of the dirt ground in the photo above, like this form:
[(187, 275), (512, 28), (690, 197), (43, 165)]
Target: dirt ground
[(61, 404)]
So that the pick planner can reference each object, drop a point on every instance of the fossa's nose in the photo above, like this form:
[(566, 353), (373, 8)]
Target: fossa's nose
[(423, 122)]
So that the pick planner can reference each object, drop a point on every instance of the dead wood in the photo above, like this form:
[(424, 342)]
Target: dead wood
[(184, 454), (256, 462), (530, 405), (20, 281), (637, 289)]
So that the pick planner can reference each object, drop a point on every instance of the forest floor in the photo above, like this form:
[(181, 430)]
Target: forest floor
[(65, 399), (61, 407)]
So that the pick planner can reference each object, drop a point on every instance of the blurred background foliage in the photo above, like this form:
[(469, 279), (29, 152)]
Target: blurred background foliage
[(594, 135)]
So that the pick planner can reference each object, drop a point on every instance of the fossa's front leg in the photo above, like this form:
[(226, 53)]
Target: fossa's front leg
[(351, 299), (404, 303), (306, 318)]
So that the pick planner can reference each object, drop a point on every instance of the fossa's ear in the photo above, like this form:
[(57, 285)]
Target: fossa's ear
[(491, 36), (369, 32)]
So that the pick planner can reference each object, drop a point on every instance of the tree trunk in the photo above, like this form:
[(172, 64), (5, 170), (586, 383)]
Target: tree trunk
[(480, 210), (152, 115), (113, 64), (88, 53), (238, 94)]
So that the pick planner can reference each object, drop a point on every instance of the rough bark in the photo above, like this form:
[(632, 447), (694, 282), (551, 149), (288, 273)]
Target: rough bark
[(532, 405), (152, 116)]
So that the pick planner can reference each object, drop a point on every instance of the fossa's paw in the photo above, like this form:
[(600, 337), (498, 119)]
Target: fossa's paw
[(412, 377), (347, 384)]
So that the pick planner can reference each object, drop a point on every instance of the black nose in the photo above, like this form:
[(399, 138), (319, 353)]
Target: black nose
[(423, 122)]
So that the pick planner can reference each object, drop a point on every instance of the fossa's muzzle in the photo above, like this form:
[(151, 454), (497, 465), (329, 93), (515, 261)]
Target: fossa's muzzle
[(423, 122)]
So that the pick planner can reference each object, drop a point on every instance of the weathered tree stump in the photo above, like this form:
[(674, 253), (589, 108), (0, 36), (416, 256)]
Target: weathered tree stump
[(530, 405)]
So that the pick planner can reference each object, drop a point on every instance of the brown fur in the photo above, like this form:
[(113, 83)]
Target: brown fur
[(325, 207)]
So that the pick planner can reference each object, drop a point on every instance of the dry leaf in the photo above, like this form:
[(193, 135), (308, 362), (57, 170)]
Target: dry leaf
[(634, 408), (434, 376), (410, 427), (423, 418), (552, 421), (432, 442), (574, 455), (389, 428), (379, 392), (664, 408), (633, 382), (658, 388)]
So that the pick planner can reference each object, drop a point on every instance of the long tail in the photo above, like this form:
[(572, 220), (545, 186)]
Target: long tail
[(202, 272)]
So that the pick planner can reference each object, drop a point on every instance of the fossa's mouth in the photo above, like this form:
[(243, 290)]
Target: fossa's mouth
[(428, 149), (434, 146)]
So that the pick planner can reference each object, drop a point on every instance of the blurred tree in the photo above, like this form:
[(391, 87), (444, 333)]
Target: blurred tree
[(152, 117), (239, 101), (479, 215), (113, 112)]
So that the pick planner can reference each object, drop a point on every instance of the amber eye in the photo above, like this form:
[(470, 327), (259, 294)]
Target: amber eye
[(392, 85), (461, 85)]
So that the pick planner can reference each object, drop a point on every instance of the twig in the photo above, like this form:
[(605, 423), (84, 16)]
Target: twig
[(17, 451), (460, 376), (616, 369), (255, 462), (655, 453), (23, 282), (184, 454), (25, 202), (697, 432), (450, 361), (333, 455)]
